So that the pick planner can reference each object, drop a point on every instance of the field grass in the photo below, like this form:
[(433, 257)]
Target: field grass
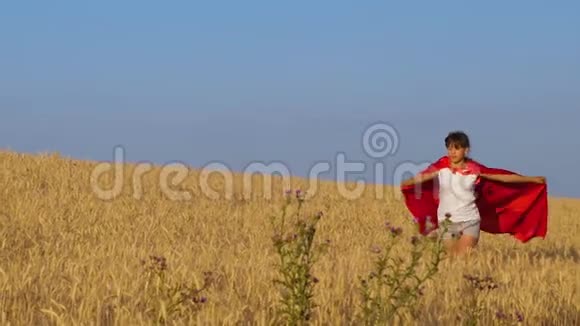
[(68, 257)]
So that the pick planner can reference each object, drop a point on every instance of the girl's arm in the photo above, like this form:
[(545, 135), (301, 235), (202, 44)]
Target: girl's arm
[(419, 178), (514, 178)]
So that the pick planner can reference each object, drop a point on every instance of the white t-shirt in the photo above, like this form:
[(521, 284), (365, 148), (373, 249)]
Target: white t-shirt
[(456, 196)]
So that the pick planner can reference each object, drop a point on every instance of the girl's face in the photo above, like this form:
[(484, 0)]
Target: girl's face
[(457, 153)]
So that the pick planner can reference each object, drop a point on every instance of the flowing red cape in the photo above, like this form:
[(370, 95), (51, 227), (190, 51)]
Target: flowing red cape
[(519, 209)]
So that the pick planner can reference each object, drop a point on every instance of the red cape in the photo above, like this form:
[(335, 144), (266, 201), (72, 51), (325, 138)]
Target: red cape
[(519, 209)]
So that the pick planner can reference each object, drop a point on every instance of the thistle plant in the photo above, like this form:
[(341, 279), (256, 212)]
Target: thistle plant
[(504, 318), (396, 284), (476, 288), (294, 241), (474, 309), (167, 300)]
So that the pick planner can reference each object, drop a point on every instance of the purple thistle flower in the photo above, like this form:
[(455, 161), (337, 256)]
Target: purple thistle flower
[(396, 231), (420, 291), (500, 315), (520, 317), (414, 240)]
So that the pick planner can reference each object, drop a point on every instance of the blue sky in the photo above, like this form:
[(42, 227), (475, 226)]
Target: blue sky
[(296, 82)]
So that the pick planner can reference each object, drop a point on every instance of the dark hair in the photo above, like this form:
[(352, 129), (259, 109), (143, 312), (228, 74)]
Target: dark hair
[(458, 138)]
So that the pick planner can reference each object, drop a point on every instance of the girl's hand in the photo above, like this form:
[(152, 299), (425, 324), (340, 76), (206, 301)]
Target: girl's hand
[(513, 178), (419, 178), (539, 179)]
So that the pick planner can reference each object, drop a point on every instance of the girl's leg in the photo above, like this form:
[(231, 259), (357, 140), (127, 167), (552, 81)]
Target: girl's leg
[(465, 244), (449, 237), (450, 245), (469, 238)]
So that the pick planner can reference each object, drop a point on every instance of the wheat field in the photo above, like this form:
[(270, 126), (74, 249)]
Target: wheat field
[(68, 257)]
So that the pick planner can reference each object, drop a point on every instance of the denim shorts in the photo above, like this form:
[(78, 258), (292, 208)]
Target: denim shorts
[(454, 230)]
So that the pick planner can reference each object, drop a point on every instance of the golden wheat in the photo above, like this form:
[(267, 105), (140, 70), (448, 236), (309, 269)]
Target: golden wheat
[(68, 257)]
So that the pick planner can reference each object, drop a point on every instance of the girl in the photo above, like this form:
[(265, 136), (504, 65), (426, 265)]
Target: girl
[(456, 183)]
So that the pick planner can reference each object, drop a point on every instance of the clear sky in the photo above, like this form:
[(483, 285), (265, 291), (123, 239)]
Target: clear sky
[(294, 81)]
